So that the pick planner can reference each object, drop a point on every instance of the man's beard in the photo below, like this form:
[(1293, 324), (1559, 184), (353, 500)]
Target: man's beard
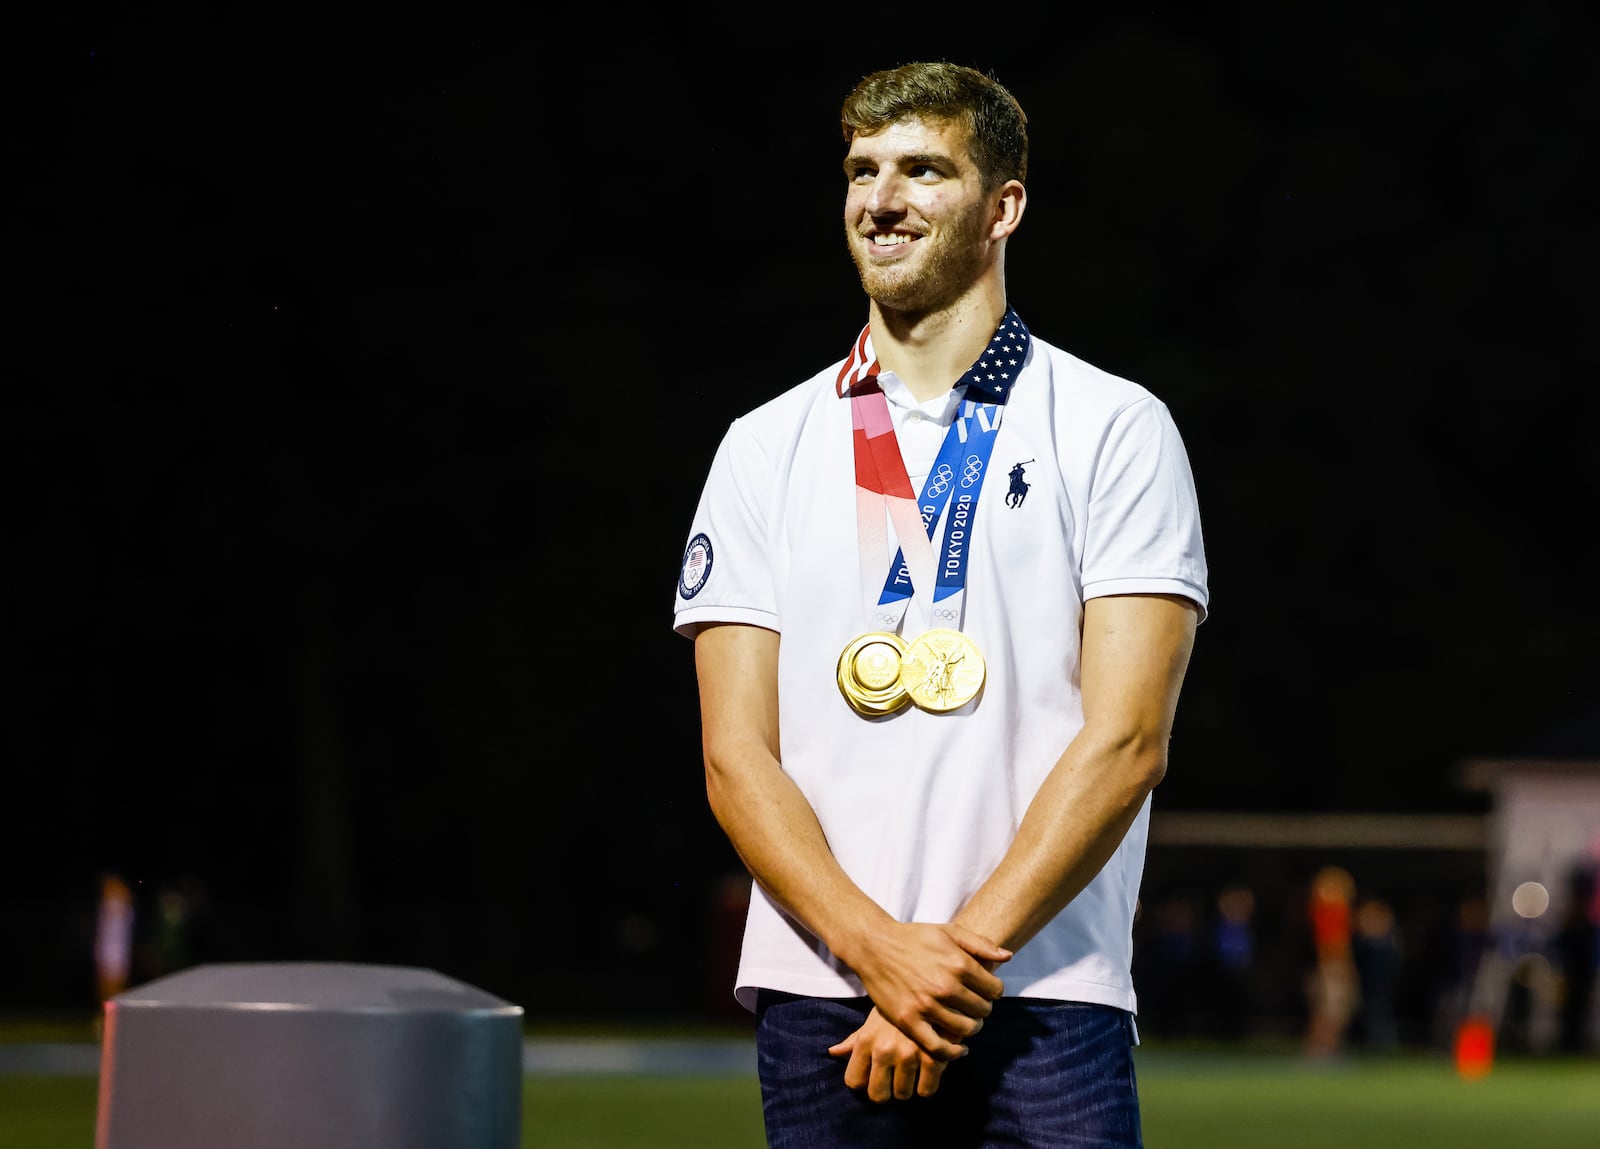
[(941, 275)]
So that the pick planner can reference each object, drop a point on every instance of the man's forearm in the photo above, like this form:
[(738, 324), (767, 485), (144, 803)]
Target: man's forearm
[(767, 819), (776, 834), (932, 982), (1071, 829), (1134, 654)]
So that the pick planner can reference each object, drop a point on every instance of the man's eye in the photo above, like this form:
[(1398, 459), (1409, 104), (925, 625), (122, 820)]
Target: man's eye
[(859, 174)]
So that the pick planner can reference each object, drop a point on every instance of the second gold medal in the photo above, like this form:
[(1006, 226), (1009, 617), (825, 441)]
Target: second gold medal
[(941, 670)]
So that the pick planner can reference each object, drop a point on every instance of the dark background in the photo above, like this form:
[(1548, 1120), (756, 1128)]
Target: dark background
[(366, 375)]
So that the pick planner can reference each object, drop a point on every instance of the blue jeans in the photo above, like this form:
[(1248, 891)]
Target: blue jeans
[(1040, 1073)]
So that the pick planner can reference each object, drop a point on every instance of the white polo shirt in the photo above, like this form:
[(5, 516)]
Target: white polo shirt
[(919, 807)]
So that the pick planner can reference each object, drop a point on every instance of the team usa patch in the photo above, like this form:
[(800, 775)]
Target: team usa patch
[(696, 566)]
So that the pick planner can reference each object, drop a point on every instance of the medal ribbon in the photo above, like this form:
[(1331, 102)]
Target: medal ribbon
[(958, 473)]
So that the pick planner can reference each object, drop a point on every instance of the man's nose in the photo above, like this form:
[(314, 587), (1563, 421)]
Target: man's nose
[(887, 195)]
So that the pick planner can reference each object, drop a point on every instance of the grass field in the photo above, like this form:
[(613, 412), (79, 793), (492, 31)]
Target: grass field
[(1193, 1099)]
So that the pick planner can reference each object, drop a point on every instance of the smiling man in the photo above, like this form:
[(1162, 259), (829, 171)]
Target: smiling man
[(932, 714)]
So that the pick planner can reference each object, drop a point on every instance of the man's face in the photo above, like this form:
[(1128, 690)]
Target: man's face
[(915, 216)]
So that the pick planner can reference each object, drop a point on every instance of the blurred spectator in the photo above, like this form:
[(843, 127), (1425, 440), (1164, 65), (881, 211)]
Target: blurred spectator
[(1375, 949), (172, 941), (1459, 952), (1575, 946), (1169, 967), (113, 937), (1333, 988), (1232, 957)]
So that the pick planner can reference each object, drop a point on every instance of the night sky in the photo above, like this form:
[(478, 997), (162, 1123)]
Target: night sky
[(369, 373)]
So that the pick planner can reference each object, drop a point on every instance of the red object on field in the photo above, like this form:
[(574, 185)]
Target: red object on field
[(1474, 1047)]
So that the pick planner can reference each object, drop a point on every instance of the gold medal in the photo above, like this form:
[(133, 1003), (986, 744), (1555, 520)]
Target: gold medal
[(941, 670), (869, 673)]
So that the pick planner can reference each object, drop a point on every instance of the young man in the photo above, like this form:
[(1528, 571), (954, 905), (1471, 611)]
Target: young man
[(942, 596)]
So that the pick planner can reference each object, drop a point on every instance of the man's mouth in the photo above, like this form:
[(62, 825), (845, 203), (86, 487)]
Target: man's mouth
[(890, 239)]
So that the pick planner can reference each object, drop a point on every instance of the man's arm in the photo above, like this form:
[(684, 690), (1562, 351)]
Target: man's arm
[(928, 979), (1134, 654)]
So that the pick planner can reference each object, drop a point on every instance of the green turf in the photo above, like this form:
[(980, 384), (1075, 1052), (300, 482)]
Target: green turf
[(1192, 1100), (641, 1113), (47, 1112), (564, 1112), (1200, 1103)]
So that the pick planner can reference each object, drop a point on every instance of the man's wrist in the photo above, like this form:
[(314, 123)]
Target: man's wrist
[(856, 936)]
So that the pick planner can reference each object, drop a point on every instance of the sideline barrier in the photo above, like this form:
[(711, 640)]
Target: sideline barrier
[(315, 1055)]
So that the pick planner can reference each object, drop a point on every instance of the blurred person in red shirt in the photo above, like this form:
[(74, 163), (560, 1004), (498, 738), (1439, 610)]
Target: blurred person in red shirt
[(113, 938), (1333, 988)]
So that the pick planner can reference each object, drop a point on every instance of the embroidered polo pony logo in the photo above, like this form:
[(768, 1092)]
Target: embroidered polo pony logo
[(1019, 485)]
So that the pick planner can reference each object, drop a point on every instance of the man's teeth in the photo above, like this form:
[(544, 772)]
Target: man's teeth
[(886, 240)]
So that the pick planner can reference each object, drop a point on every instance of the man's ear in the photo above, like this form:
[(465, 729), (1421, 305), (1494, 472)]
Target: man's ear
[(1008, 209)]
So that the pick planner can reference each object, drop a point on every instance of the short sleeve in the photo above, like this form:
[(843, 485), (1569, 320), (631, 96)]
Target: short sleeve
[(1143, 531), (726, 571)]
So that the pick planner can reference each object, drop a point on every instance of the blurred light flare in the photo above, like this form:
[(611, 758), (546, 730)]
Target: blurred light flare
[(1530, 900)]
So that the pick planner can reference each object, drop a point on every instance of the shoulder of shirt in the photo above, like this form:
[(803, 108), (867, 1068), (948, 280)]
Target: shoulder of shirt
[(1084, 380), (786, 404)]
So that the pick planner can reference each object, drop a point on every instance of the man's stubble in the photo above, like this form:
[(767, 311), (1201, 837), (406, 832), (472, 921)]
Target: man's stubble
[(941, 274)]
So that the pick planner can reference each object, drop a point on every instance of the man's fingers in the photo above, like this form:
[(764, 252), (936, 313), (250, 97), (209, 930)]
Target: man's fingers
[(887, 1064), (970, 1003), (971, 1026), (958, 1026), (982, 980), (960, 1014), (880, 1084), (977, 945), (856, 1073), (935, 1044), (985, 984)]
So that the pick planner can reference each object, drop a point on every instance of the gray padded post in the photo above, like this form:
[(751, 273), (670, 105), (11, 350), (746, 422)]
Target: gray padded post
[(310, 1056)]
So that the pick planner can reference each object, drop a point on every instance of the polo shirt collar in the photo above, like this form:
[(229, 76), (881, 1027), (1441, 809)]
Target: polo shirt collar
[(988, 380)]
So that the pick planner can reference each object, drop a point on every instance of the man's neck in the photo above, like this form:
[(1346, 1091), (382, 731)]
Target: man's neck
[(930, 352)]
